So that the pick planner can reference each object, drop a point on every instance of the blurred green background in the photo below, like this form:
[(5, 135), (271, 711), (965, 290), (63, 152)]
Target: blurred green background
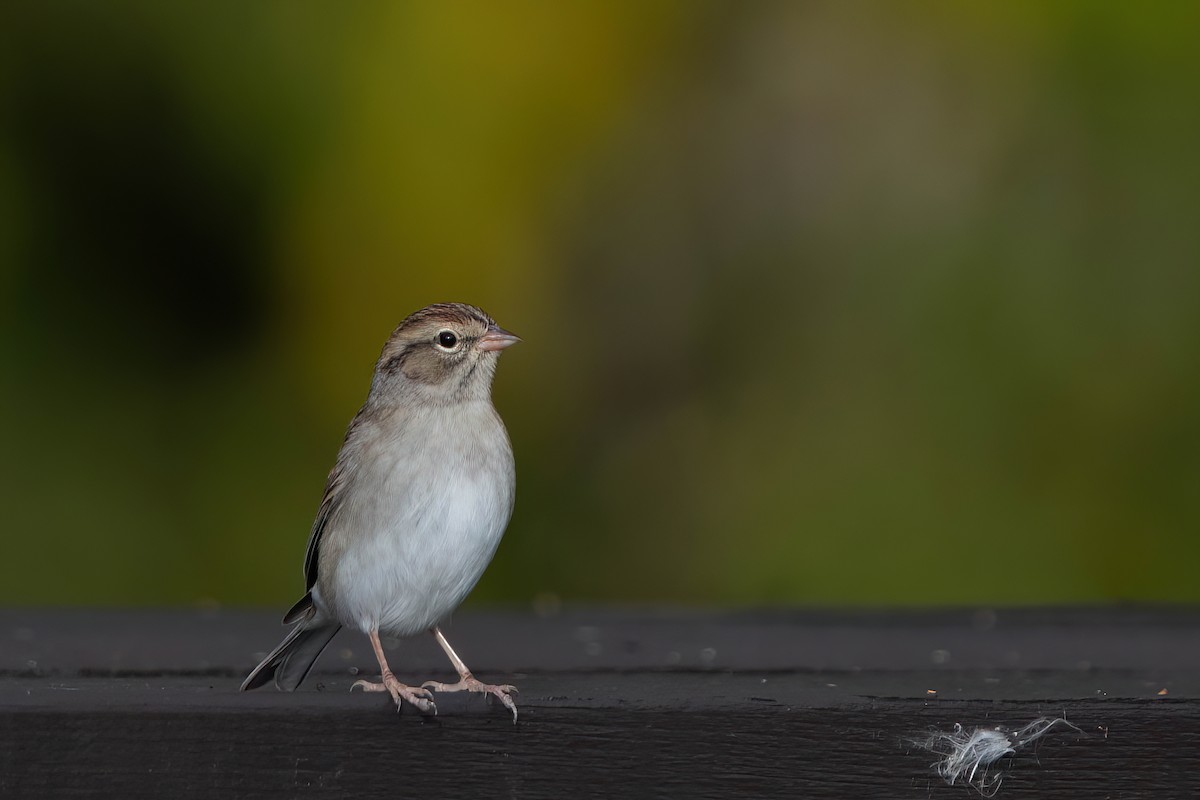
[(823, 303)]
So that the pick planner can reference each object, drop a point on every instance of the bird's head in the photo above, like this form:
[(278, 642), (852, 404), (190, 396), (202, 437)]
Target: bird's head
[(443, 354)]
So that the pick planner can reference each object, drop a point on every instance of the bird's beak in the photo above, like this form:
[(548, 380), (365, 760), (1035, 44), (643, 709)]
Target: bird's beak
[(497, 339)]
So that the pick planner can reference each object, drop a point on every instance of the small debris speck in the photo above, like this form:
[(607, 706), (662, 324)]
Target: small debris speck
[(984, 619), (587, 633), (547, 604)]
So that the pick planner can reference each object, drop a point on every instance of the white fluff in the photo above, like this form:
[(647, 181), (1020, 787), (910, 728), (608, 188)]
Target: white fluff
[(967, 755)]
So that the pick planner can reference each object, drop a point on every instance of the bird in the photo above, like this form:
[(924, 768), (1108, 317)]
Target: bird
[(414, 508)]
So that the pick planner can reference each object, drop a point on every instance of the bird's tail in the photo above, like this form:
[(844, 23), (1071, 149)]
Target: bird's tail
[(290, 662)]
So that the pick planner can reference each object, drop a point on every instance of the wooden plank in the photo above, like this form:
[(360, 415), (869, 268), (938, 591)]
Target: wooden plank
[(106, 641), (142, 704)]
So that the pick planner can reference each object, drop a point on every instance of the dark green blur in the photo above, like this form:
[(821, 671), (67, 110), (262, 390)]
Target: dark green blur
[(823, 303)]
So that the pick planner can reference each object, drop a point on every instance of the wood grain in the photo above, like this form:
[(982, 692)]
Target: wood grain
[(85, 713)]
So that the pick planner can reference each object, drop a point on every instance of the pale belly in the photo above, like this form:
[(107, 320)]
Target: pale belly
[(416, 541)]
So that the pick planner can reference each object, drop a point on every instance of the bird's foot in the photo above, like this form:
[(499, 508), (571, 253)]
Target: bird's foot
[(502, 692), (419, 697)]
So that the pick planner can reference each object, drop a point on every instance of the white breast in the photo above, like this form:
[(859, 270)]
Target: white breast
[(428, 504)]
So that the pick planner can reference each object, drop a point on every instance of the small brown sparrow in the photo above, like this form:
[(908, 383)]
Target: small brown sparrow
[(415, 505)]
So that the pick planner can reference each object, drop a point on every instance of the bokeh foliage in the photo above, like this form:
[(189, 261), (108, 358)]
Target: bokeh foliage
[(822, 302)]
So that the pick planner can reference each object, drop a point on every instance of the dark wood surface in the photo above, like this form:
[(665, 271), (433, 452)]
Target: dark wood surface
[(613, 704)]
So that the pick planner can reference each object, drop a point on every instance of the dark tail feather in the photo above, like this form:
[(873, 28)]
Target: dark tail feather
[(290, 662)]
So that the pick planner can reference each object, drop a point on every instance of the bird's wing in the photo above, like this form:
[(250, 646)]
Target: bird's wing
[(335, 491)]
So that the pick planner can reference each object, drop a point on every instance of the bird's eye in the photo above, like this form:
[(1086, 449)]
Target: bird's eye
[(447, 340)]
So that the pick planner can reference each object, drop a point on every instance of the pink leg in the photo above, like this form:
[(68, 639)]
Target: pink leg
[(420, 698), (467, 681)]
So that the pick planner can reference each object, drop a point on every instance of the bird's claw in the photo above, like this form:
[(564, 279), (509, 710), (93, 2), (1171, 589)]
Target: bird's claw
[(501, 692), (418, 696)]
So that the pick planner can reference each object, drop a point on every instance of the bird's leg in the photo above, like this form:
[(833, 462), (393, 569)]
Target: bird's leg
[(419, 697), (467, 681)]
